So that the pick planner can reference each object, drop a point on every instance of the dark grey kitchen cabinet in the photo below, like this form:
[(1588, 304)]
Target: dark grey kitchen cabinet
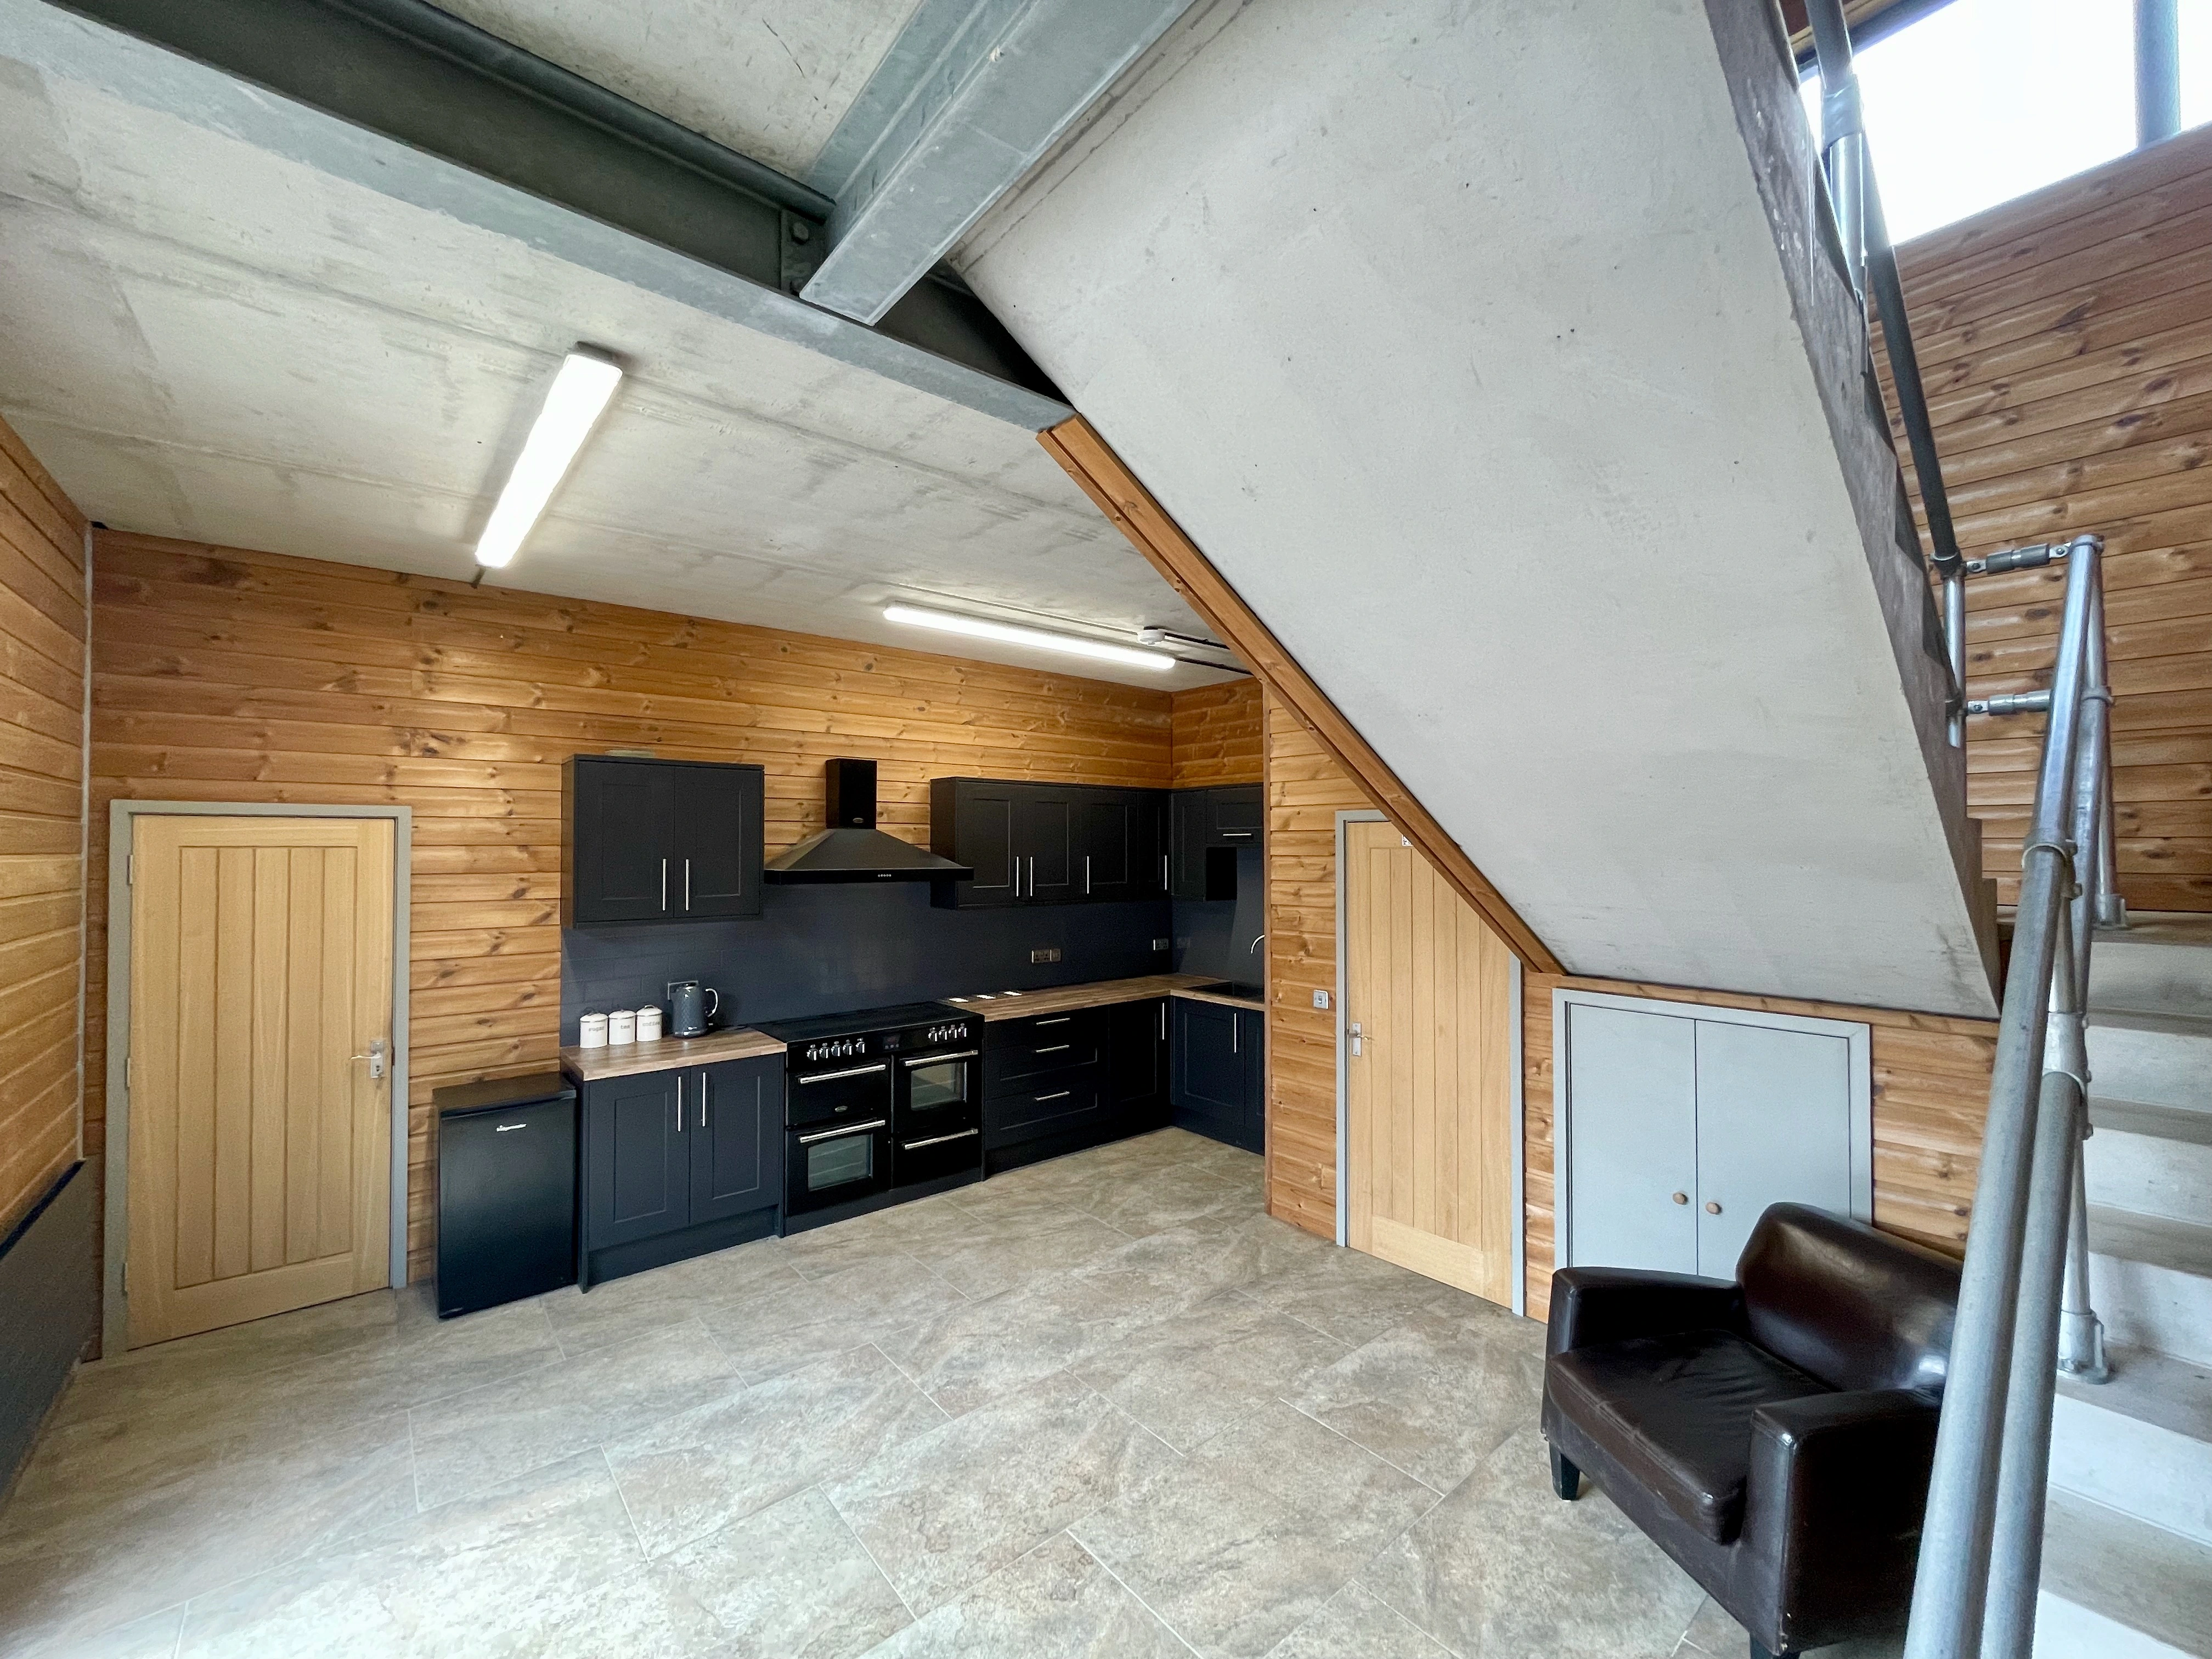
[(1046, 843), (658, 840), (1219, 1072), (1137, 1050), (679, 1162)]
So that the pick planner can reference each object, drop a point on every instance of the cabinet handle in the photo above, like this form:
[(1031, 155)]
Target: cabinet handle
[(1235, 834), (687, 884), (1712, 1209), (679, 1102), (1057, 1019), (1164, 882), (1235, 1033), (1086, 875), (703, 1100), (664, 883), (1056, 1048), (1681, 1198), (1163, 1022), (1062, 1094)]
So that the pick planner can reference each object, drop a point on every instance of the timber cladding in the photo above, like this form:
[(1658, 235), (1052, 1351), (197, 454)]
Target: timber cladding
[(230, 676), (1931, 1090), (42, 662), (1217, 736), (2066, 342)]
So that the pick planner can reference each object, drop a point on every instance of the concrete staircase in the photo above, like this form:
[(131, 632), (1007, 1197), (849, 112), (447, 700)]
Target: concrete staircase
[(2127, 1551)]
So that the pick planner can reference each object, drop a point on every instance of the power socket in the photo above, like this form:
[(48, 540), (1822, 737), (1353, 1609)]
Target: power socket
[(1162, 944), (1045, 953)]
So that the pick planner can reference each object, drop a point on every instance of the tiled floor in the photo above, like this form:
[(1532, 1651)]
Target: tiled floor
[(1100, 1407)]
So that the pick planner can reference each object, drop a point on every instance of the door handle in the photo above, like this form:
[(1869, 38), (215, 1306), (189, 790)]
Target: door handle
[(839, 1134), (1354, 1032), (687, 884), (378, 1049), (664, 883)]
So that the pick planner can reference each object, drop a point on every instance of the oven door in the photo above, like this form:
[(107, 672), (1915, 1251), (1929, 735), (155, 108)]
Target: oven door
[(942, 1149), (837, 1164), (934, 1089), (845, 1094)]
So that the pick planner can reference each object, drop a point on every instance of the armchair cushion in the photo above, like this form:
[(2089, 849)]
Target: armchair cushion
[(1675, 1411), (1591, 1306)]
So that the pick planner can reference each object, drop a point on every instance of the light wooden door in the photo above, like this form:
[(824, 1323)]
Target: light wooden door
[(260, 1129), (1430, 1150)]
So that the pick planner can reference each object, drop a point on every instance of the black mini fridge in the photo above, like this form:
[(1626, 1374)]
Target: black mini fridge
[(507, 1191)]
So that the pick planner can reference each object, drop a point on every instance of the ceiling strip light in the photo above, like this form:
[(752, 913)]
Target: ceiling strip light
[(577, 396), (1009, 634)]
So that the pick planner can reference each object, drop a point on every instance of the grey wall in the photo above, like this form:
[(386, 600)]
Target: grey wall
[(822, 949), (48, 1304)]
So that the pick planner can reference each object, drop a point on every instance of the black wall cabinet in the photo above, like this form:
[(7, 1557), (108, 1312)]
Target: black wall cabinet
[(1210, 827), (1219, 1080), (1046, 843), (1058, 1083), (679, 1163), (658, 840)]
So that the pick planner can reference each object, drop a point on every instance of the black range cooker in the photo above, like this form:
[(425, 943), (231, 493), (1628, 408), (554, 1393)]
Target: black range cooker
[(880, 1105)]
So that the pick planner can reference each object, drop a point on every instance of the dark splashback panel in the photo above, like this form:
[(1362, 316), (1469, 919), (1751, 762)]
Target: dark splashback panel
[(822, 949)]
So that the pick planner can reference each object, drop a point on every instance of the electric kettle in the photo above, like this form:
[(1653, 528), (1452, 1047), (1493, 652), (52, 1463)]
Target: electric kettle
[(690, 1006)]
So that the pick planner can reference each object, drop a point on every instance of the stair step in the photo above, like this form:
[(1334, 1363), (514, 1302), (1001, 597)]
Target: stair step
[(2116, 1588), (2150, 1278), (2141, 1443), (2157, 965), (2156, 1159), (2158, 1059)]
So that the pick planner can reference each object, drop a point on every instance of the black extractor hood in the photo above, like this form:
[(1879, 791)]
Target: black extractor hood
[(852, 848)]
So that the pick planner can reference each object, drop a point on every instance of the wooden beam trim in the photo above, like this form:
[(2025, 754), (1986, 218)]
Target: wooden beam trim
[(1131, 509)]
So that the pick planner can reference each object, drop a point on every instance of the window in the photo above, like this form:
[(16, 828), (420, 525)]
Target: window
[(1982, 101)]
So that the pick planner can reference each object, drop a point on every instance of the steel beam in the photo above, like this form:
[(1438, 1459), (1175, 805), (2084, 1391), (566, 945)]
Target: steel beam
[(968, 99), (412, 102)]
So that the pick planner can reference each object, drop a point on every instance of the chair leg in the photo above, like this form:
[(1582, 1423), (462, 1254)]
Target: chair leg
[(1566, 1478)]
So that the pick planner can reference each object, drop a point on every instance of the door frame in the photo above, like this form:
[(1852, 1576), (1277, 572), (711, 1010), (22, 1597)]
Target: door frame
[(1856, 1033), (1519, 1129), (121, 830)]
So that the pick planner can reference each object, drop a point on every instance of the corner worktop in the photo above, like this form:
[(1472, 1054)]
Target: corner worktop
[(630, 1059), (1100, 993)]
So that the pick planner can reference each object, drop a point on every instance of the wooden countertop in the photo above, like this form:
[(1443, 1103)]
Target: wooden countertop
[(628, 1059), (1099, 993)]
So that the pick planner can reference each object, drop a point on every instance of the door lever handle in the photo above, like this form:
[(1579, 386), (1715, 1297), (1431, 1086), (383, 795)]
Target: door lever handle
[(378, 1049)]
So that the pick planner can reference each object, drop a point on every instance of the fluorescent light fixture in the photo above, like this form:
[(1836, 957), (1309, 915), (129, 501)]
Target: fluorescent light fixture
[(1009, 634), (579, 393)]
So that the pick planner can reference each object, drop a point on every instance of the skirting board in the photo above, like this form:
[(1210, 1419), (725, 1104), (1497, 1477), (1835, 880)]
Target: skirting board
[(49, 1302)]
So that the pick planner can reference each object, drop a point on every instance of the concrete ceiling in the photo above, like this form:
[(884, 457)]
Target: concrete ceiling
[(205, 340)]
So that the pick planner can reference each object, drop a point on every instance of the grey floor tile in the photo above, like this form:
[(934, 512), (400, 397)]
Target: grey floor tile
[(618, 1309), (985, 1489), (855, 1305), (790, 1582), (980, 1351), (648, 1610), (1193, 1372), (490, 1577), (1356, 1624), (1165, 1199), (154, 1637), (702, 1469), (1502, 1569), (475, 1441), (1252, 1535), (1434, 1393), (1056, 1600), (1353, 1295), (1006, 1254), (123, 1548)]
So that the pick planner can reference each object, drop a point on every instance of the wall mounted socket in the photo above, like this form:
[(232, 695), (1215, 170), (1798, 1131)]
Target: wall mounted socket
[(1045, 953), (1161, 944), (1320, 999)]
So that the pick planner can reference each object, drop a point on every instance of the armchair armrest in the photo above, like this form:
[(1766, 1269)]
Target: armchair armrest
[(1591, 1305), (1832, 1507)]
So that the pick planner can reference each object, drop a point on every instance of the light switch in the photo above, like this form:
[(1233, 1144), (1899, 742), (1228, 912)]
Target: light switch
[(1320, 999)]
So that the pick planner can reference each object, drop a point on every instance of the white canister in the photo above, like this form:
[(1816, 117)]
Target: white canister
[(622, 1025), (649, 1024), (592, 1031)]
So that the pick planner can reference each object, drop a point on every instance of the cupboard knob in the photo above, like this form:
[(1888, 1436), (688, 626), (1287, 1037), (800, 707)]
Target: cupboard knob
[(1681, 1198), (1712, 1209)]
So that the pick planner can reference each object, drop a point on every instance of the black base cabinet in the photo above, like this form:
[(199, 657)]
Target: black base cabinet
[(1058, 1082), (1218, 1079), (507, 1191), (679, 1163)]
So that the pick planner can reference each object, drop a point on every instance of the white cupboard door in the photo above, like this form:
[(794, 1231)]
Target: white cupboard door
[(1633, 1129), (1774, 1124)]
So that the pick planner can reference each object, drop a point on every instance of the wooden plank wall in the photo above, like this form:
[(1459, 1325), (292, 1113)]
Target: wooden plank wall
[(1217, 734), (1306, 789), (42, 657), (2066, 342), (223, 675), (1931, 1085)]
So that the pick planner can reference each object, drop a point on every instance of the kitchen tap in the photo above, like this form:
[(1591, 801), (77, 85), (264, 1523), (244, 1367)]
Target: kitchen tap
[(1255, 945)]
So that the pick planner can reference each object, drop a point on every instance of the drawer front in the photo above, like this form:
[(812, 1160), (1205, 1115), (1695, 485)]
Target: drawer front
[(1056, 1101), (1019, 1050)]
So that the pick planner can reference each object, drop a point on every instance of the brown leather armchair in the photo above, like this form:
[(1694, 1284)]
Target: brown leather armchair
[(1773, 1435)]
